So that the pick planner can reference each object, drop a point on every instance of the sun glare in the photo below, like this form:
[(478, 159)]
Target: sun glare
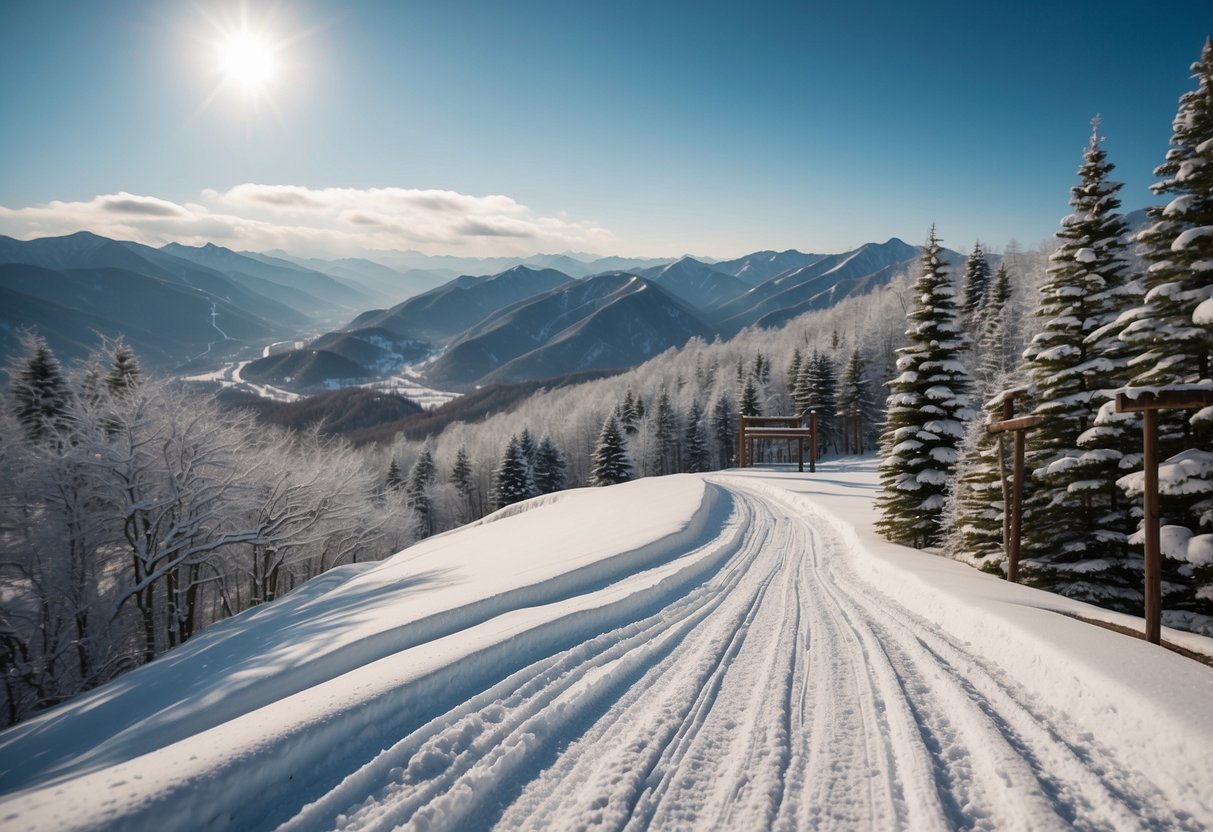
[(247, 62)]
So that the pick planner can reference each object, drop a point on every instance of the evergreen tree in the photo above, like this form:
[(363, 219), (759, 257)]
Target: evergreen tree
[(40, 393), (803, 399), (1171, 332), (124, 373), (976, 285), (997, 355), (978, 520), (461, 478), (749, 399), (627, 414), (928, 405), (526, 444), (794, 372), (819, 391), (610, 464), (394, 480), (513, 478), (724, 425), (665, 446), (696, 455), (550, 468), (854, 403), (420, 500), (1077, 522)]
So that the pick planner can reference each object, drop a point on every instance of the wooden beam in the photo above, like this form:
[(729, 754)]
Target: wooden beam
[(1163, 400), (1021, 423), (812, 441)]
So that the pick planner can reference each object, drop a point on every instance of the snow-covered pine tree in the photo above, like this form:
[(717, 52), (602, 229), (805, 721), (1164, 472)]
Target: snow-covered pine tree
[(627, 414), (1171, 331), (610, 464), (420, 499), (997, 353), (1076, 521), (976, 285), (665, 435), (750, 405), (854, 403), (550, 468), (526, 444), (40, 392), (461, 478), (124, 373), (819, 391), (976, 516), (928, 406), (513, 476), (724, 426), (394, 481), (794, 372), (696, 456)]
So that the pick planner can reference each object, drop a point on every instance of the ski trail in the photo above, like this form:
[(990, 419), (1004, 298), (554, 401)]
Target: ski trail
[(780, 693)]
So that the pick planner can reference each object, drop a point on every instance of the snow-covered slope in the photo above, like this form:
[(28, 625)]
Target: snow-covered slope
[(733, 650)]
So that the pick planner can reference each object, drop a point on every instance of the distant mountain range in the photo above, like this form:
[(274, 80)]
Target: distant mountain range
[(524, 321)]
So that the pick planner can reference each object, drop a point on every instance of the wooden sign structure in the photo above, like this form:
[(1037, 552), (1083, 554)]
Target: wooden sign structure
[(1017, 426), (753, 428), (1148, 403)]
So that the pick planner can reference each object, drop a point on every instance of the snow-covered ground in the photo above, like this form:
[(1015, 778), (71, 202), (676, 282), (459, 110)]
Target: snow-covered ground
[(731, 651)]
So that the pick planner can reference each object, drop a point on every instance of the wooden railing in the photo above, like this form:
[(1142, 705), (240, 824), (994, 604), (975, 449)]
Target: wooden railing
[(752, 429)]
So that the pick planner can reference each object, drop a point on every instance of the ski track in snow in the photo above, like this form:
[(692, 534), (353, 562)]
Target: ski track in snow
[(741, 674), (780, 692)]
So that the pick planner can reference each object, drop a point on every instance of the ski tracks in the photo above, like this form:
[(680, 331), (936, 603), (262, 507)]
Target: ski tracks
[(781, 692)]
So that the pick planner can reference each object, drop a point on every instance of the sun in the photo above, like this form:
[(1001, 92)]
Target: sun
[(246, 61)]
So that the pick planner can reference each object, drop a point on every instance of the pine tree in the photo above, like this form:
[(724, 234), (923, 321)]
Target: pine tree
[(724, 425), (997, 356), (794, 372), (696, 455), (854, 411), (749, 399), (420, 500), (461, 478), (976, 285), (124, 373), (978, 519), (526, 444), (550, 468), (1077, 522), (610, 464), (1171, 331), (40, 393), (394, 480), (665, 447), (928, 406), (821, 395), (627, 414), (513, 479)]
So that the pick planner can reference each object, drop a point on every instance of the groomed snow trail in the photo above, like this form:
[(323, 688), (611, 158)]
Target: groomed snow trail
[(779, 691)]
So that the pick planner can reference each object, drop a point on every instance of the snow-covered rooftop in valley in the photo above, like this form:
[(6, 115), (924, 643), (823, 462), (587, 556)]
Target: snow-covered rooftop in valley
[(733, 650)]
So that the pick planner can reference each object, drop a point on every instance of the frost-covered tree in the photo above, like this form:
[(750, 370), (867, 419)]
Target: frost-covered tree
[(1171, 332), (550, 467), (724, 426), (976, 283), (696, 455), (1077, 521), (928, 406), (855, 407), (124, 372), (750, 405), (513, 478), (394, 480), (793, 375), (819, 392), (977, 520), (610, 464), (461, 478), (420, 499), (998, 352), (40, 392), (665, 436)]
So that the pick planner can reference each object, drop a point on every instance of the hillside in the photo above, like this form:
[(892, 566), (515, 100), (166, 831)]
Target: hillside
[(743, 647)]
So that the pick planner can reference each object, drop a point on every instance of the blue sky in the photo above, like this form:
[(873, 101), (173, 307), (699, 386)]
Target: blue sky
[(652, 128)]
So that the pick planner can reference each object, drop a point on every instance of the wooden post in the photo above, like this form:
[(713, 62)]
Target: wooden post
[(812, 441), (1148, 403), (1018, 427), (800, 453), (1150, 526)]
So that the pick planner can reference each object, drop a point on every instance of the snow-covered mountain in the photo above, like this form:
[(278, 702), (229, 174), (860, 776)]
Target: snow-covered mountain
[(609, 321), (670, 652), (697, 284)]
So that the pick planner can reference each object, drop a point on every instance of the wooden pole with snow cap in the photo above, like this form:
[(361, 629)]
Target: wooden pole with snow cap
[(1148, 401), (1017, 426)]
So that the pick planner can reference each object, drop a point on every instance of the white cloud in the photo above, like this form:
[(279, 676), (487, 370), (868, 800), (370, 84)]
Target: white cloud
[(317, 221)]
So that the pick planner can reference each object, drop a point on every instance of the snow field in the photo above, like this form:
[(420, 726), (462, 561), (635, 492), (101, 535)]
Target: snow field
[(729, 651)]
